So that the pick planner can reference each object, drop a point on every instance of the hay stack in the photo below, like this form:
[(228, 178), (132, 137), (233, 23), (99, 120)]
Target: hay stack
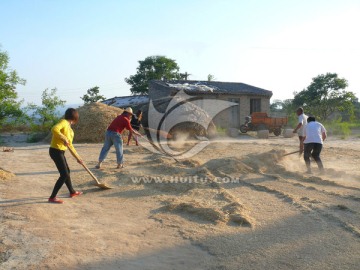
[(5, 175), (93, 122)]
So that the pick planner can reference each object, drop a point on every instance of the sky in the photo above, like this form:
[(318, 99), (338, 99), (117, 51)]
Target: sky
[(277, 45)]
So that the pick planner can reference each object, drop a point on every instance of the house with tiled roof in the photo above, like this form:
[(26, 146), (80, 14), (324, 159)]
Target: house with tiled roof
[(248, 98)]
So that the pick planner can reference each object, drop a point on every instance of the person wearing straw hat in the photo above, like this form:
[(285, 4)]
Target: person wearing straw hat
[(113, 137)]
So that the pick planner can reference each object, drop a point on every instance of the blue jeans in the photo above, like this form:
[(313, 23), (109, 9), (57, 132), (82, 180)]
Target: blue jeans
[(112, 138)]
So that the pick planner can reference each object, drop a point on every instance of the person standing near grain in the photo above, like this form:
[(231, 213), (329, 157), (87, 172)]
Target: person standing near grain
[(300, 128), (62, 137), (113, 137), (315, 135), (135, 124)]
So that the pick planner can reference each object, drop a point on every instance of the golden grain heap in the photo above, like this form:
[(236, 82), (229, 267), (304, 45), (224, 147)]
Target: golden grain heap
[(5, 175), (93, 122)]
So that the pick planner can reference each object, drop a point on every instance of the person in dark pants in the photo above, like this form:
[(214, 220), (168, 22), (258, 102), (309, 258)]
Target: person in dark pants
[(136, 125), (62, 137), (315, 134)]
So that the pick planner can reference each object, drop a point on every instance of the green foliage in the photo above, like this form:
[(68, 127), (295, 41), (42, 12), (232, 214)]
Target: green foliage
[(279, 108), (92, 95), (336, 127), (152, 68), (184, 76), (47, 113), (210, 77), (220, 129), (36, 137), (285, 107), (325, 96), (15, 127), (276, 106), (356, 110), (9, 79)]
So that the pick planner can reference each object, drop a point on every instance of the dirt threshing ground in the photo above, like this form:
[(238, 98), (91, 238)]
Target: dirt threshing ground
[(248, 209)]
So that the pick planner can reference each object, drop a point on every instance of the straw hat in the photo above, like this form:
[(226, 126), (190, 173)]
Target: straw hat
[(129, 110)]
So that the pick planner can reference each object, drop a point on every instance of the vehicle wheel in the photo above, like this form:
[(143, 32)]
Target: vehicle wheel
[(277, 131), (243, 129), (262, 127)]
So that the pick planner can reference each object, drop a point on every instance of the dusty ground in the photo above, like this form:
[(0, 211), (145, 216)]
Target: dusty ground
[(274, 217)]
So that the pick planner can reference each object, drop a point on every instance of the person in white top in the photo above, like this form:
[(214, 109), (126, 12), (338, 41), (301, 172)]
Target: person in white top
[(315, 134), (300, 128)]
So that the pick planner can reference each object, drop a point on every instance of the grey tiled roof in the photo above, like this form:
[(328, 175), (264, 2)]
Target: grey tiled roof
[(222, 87), (127, 101)]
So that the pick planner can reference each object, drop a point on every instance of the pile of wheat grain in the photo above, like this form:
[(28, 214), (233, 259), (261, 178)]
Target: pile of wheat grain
[(93, 122), (5, 175)]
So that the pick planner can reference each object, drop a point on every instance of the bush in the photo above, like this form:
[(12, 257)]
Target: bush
[(11, 127), (36, 137), (221, 131), (292, 121), (338, 128)]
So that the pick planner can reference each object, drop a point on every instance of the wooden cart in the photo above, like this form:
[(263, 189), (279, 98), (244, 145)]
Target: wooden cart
[(261, 121)]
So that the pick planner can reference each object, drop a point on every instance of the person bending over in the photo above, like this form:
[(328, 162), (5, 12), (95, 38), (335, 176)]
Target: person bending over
[(315, 134), (135, 124), (113, 137)]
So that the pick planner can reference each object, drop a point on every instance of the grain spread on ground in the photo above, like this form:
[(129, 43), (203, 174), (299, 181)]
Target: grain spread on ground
[(190, 209), (5, 175)]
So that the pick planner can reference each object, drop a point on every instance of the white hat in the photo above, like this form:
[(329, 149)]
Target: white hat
[(129, 110)]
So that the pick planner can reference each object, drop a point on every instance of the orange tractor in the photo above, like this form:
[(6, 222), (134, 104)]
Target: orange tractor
[(261, 121)]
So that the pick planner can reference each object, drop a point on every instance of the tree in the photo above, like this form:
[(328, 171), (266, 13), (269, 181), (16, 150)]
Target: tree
[(325, 96), (184, 76), (152, 68), (210, 77), (357, 109), (47, 114), (92, 95), (282, 106), (9, 79)]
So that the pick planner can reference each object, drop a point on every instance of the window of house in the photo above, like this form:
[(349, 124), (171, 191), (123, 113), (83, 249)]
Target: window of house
[(255, 105)]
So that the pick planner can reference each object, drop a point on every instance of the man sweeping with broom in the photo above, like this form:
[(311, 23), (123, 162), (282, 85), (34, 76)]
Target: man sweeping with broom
[(113, 137), (315, 134)]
